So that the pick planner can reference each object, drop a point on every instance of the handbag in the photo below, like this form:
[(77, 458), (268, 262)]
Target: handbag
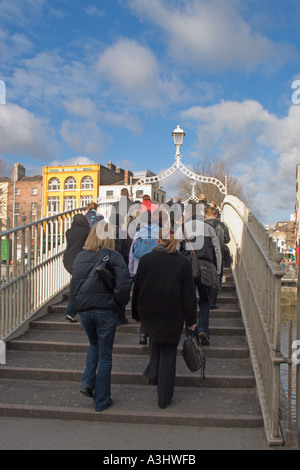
[(193, 354), (106, 274), (203, 270)]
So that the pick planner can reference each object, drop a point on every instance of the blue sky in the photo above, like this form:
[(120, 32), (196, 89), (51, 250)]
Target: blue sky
[(109, 80)]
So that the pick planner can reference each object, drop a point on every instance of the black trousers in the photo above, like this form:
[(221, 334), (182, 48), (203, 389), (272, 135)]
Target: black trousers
[(162, 370)]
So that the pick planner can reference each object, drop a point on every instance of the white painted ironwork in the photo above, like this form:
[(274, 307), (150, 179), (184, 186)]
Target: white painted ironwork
[(178, 165), (257, 273), (32, 270)]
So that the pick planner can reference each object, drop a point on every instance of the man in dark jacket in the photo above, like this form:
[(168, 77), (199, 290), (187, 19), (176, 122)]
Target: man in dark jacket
[(122, 206), (222, 232), (202, 238), (75, 237)]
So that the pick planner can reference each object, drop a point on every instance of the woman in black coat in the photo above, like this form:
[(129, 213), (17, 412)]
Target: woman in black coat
[(75, 237), (163, 299), (98, 307)]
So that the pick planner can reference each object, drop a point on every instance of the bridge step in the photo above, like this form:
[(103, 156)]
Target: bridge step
[(45, 365), (132, 404)]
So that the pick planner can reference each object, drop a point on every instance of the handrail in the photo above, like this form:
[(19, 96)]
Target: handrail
[(30, 256), (257, 274)]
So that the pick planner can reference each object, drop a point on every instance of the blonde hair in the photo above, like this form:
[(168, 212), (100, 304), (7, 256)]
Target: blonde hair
[(101, 236), (169, 242)]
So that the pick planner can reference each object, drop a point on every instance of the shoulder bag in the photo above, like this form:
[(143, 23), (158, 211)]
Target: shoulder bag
[(106, 273), (203, 270)]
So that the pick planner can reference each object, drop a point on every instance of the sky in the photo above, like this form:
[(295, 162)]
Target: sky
[(99, 81)]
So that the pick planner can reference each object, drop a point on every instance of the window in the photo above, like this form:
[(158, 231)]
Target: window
[(34, 209), (53, 204), (87, 183), (70, 203), (139, 193), (85, 200), (54, 184), (34, 191), (17, 191), (109, 194), (70, 183), (17, 208)]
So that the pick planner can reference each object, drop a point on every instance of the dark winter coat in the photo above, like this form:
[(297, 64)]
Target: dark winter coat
[(92, 217), (206, 245), (164, 295), (222, 233), (76, 237), (87, 292)]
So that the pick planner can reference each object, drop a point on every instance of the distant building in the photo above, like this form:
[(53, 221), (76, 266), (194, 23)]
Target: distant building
[(69, 186), (284, 235), (112, 193), (20, 197)]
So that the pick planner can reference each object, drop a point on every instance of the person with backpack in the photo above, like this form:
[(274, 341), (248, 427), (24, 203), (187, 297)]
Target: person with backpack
[(144, 241), (97, 305), (91, 214), (202, 238), (222, 232)]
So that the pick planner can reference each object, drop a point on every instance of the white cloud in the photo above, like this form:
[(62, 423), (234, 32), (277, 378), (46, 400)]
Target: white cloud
[(211, 33), (84, 137), (261, 149), (94, 12), (132, 70), (24, 134), (80, 160)]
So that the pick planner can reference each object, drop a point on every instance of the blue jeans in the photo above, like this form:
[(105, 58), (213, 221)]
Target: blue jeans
[(100, 327), (204, 297), (70, 310)]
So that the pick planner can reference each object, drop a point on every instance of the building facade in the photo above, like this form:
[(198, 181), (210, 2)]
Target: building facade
[(20, 198), (68, 187), (136, 192)]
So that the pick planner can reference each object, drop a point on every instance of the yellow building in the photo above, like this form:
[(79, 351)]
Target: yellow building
[(68, 187)]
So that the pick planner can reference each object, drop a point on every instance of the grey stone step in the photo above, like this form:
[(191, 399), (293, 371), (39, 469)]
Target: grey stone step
[(223, 310), (218, 325), (76, 341), (132, 404), (220, 372)]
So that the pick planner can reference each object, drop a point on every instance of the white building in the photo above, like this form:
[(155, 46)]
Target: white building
[(112, 193)]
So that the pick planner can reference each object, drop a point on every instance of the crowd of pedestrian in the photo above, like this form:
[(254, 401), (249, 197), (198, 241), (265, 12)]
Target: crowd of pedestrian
[(153, 263)]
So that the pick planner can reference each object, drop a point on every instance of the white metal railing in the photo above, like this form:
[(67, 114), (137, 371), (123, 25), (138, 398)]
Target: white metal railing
[(257, 273), (32, 271)]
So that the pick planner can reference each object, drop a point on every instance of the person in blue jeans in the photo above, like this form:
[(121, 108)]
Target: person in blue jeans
[(97, 305), (200, 237)]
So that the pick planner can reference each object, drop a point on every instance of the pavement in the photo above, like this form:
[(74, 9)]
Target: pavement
[(37, 434)]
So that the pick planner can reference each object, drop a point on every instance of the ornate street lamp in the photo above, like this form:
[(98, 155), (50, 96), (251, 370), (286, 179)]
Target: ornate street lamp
[(178, 135)]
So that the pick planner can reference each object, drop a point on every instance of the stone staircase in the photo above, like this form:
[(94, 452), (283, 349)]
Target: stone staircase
[(44, 368)]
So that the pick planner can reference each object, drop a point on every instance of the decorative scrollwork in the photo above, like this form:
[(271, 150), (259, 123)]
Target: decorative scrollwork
[(190, 174)]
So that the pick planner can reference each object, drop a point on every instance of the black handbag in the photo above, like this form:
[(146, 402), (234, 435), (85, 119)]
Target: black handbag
[(106, 274), (193, 355), (203, 270)]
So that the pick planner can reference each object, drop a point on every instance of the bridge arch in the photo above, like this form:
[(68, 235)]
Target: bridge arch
[(178, 165)]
